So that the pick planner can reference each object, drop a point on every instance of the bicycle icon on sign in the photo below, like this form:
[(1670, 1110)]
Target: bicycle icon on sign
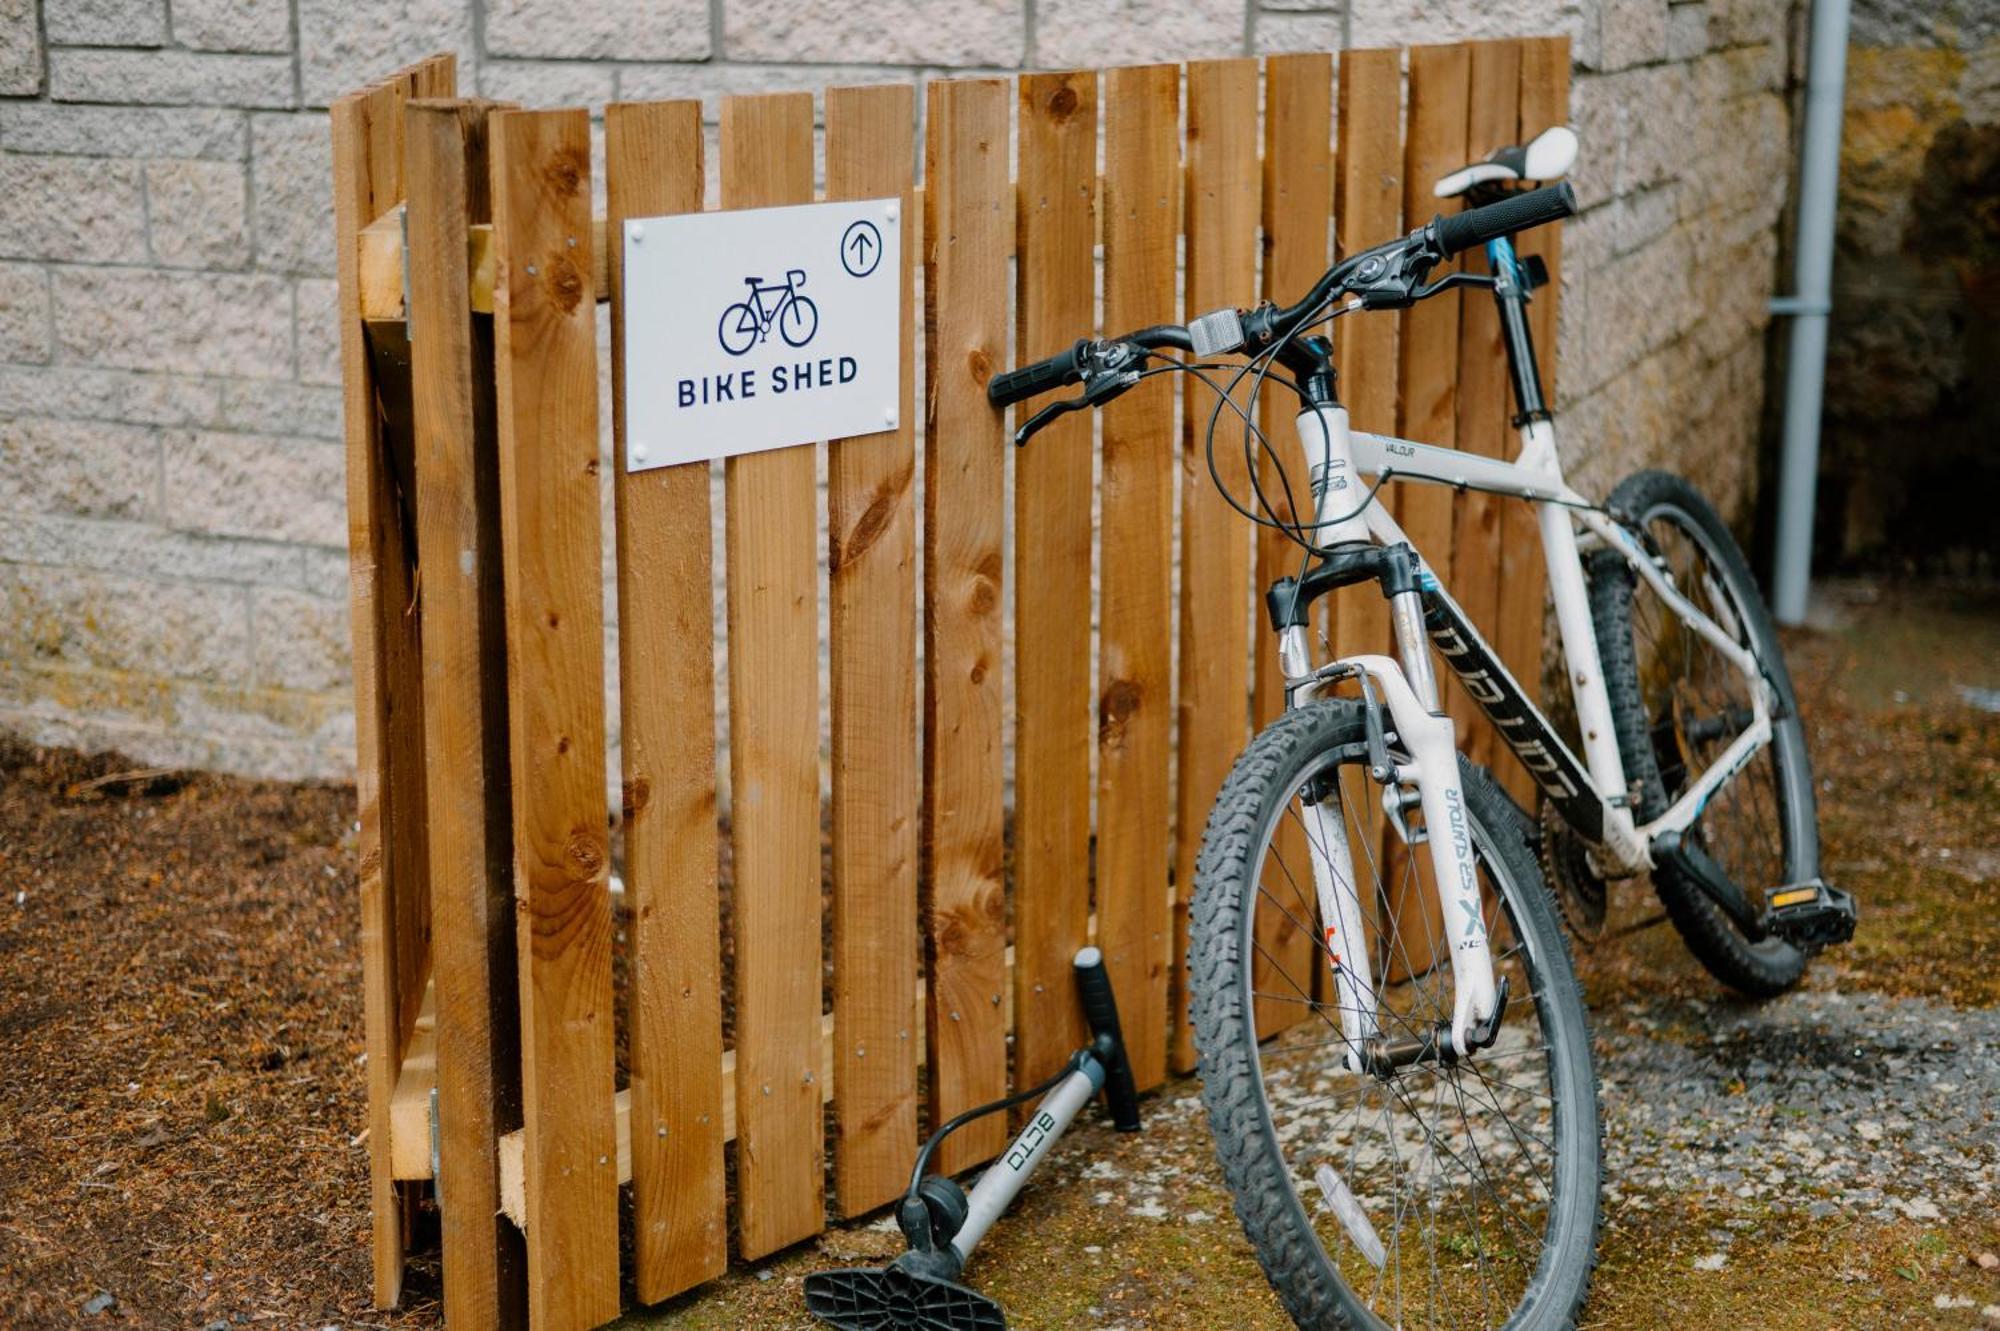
[(749, 321)]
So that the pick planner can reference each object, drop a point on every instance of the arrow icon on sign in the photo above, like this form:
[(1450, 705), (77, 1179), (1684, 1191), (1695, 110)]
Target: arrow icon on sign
[(861, 248)]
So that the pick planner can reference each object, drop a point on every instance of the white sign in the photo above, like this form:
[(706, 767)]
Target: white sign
[(759, 329)]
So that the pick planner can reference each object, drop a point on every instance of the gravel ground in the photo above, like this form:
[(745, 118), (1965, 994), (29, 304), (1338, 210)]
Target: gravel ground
[(1818, 1104)]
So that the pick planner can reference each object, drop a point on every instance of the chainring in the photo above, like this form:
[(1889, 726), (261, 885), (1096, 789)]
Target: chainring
[(1580, 894)]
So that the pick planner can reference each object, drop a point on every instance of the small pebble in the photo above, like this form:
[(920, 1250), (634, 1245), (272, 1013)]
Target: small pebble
[(100, 1302), (1713, 1262)]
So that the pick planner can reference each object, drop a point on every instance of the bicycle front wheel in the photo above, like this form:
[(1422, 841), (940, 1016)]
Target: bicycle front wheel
[(1454, 1193)]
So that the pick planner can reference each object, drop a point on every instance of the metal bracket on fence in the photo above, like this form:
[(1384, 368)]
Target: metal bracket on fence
[(437, 1178), (409, 327)]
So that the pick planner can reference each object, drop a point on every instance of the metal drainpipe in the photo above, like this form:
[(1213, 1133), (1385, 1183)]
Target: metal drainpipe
[(1805, 371)]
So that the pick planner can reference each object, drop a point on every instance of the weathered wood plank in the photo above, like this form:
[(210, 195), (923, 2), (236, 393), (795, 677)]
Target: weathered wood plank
[(1298, 204), (968, 235), (771, 521), (1142, 221), (465, 713), (1222, 208), (545, 355), (1052, 543), (871, 535), (388, 686), (653, 167), (1435, 145), (1523, 573), (1483, 406), (1368, 210)]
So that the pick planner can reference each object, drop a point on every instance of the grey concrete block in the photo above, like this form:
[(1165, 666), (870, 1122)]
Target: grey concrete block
[(256, 485), (1096, 33), (187, 323), (20, 49), (121, 131), (607, 29), (318, 331), (105, 22), (82, 393), (128, 546), (234, 25), (300, 641), (1279, 33), (195, 214), (895, 32), (347, 44), (170, 78), (103, 621), (26, 332), (263, 406), (74, 210), (78, 469), (538, 83), (291, 173)]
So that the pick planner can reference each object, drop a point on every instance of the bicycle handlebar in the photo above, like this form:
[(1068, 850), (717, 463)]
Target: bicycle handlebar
[(1018, 385), (1389, 276), (1069, 366), (1517, 212)]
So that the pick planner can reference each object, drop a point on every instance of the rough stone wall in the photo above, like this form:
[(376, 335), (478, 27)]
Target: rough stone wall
[(1913, 398), (172, 579)]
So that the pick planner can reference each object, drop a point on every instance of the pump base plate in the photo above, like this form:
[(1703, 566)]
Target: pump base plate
[(893, 1299)]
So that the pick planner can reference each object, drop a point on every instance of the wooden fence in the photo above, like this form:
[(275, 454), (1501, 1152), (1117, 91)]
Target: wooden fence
[(470, 271)]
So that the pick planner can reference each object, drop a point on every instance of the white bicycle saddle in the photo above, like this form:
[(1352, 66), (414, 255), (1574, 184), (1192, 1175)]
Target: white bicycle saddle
[(1546, 157)]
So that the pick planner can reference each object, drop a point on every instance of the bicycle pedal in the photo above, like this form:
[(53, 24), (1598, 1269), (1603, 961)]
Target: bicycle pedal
[(1809, 915)]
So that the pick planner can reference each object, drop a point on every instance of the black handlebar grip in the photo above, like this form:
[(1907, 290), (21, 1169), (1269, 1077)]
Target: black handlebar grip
[(1100, 1009), (1518, 212), (1011, 386)]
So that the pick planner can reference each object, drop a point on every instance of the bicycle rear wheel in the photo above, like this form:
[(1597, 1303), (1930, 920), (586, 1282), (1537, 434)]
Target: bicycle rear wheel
[(1677, 702), (1452, 1194)]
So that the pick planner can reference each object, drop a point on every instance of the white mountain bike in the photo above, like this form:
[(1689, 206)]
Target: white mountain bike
[(1422, 1145)]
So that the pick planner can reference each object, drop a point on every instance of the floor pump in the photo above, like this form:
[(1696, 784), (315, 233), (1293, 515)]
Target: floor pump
[(919, 1291)]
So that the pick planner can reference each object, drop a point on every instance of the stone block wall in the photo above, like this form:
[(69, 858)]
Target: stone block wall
[(1909, 465), (172, 577)]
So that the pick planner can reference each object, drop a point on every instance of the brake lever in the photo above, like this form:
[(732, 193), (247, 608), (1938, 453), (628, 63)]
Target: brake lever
[(1046, 417), (1098, 389), (1449, 280)]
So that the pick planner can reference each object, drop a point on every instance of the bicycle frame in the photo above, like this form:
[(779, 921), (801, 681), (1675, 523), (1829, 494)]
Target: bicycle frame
[(1590, 793)]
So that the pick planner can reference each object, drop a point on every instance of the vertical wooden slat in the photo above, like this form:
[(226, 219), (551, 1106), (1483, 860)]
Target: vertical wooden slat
[(465, 712), (545, 354), (1523, 575), (1142, 217), (388, 687), (1429, 346), (1215, 609), (1052, 503), (1439, 77), (1298, 199), (353, 208), (1367, 211), (968, 235), (666, 668), (1483, 403), (771, 521), (871, 534)]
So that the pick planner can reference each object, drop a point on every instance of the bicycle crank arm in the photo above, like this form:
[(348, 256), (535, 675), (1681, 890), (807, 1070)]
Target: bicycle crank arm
[(1675, 850)]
